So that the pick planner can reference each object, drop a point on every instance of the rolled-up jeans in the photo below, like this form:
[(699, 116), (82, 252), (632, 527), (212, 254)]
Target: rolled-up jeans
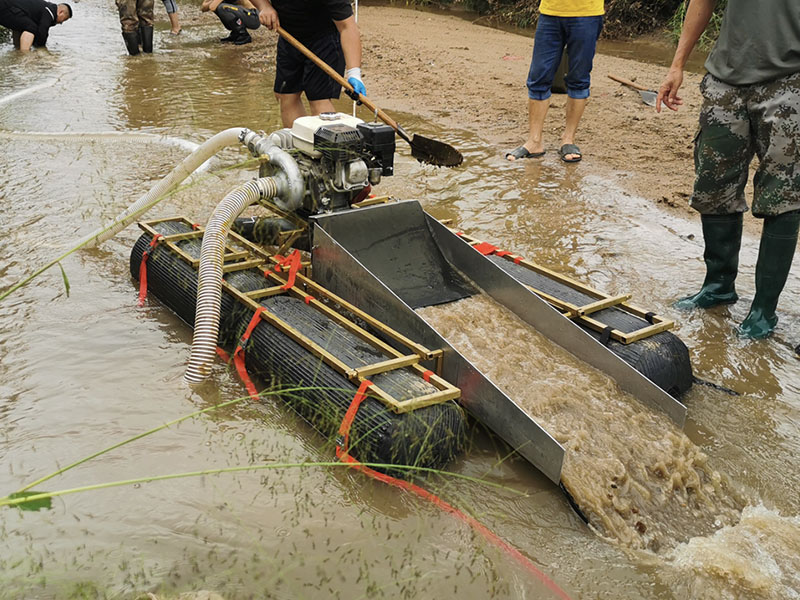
[(579, 35)]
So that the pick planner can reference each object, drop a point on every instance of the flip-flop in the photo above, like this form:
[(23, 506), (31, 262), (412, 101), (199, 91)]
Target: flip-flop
[(522, 152), (570, 149)]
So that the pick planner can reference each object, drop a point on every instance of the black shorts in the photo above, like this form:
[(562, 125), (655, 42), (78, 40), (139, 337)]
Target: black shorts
[(294, 73)]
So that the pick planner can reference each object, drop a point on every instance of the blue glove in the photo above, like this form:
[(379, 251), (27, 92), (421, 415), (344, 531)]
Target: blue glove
[(354, 78)]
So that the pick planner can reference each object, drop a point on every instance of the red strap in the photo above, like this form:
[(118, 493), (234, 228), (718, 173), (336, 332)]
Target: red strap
[(195, 226), (502, 253), (343, 443), (518, 259), (308, 299), (427, 375), (485, 248), (293, 261), (143, 268), (459, 233), (238, 354)]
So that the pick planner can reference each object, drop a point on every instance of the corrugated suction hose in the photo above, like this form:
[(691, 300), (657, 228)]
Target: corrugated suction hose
[(209, 283)]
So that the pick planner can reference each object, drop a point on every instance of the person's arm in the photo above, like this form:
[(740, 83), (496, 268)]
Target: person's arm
[(266, 14), (698, 14), (26, 41), (351, 46)]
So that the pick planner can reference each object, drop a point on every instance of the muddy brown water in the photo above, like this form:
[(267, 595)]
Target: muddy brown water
[(81, 372)]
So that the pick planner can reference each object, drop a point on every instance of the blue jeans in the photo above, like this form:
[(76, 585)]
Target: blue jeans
[(579, 35)]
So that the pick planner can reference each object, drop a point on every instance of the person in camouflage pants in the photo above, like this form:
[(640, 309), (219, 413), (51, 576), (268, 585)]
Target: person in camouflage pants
[(136, 18), (751, 108)]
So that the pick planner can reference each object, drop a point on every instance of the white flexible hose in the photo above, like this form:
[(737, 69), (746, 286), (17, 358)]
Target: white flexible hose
[(29, 90), (188, 165), (209, 276), (229, 137), (84, 135)]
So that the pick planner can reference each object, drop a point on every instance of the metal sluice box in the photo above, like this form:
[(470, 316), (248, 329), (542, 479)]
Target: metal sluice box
[(392, 258)]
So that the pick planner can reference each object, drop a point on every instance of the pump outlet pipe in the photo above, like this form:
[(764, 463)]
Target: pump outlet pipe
[(207, 149)]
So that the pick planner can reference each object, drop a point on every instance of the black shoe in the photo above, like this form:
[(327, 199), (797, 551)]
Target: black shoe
[(131, 42), (242, 37), (228, 39), (146, 33)]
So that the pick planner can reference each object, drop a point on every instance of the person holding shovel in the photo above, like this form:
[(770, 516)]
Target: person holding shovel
[(575, 24), (326, 27), (751, 106)]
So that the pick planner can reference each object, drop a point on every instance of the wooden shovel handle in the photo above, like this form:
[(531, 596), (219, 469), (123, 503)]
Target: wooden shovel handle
[(341, 80), (629, 83)]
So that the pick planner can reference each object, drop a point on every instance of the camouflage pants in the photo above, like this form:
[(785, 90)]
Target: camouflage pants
[(737, 123), (133, 13)]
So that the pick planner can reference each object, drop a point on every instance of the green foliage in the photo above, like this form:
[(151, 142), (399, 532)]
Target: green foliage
[(709, 35), (5, 34)]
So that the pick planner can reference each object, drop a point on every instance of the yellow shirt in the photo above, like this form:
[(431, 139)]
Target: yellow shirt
[(572, 8)]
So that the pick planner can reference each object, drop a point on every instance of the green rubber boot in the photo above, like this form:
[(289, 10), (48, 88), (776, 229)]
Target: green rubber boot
[(723, 238), (775, 254)]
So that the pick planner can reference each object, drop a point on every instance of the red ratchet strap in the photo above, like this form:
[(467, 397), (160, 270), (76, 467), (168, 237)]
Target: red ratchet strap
[(293, 262), (343, 442), (238, 354), (143, 268), (342, 448), (427, 375)]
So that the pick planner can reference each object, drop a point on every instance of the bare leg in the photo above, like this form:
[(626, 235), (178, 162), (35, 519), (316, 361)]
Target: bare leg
[(173, 21), (537, 110), (291, 108), (321, 106), (575, 108)]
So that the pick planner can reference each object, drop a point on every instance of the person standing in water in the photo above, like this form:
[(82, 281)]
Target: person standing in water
[(30, 20), (575, 24), (326, 27), (136, 18), (751, 107)]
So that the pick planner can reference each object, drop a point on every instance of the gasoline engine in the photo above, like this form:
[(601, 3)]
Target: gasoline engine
[(337, 157)]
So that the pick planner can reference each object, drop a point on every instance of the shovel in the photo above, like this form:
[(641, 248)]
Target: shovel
[(648, 96), (423, 149)]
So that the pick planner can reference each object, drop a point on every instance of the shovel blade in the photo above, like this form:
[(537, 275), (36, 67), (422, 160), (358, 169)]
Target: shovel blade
[(435, 152), (649, 98)]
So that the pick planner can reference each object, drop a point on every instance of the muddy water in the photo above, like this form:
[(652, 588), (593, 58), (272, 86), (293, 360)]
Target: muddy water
[(82, 371), (637, 478)]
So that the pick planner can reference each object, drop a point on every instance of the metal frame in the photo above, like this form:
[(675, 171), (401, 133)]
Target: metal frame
[(581, 314), (313, 294)]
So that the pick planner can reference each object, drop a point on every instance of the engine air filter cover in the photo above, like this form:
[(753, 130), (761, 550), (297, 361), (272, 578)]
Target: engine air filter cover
[(339, 142)]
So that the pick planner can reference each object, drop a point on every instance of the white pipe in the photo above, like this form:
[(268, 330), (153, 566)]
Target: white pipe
[(82, 135), (209, 148), (209, 275), (229, 137), (28, 90)]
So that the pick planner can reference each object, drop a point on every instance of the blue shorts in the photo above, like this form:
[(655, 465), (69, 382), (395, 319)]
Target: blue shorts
[(579, 35)]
